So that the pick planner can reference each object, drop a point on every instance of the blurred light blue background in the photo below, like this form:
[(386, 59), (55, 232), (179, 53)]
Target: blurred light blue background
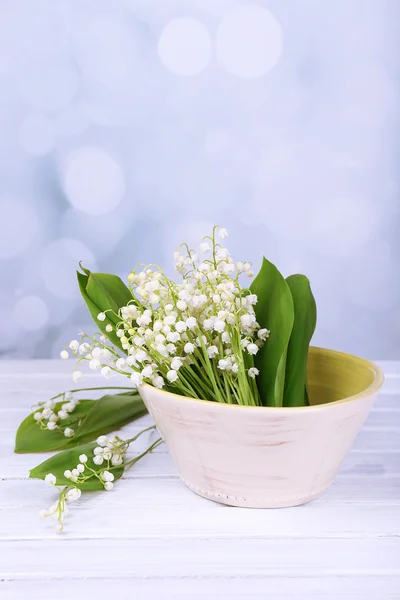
[(129, 126)]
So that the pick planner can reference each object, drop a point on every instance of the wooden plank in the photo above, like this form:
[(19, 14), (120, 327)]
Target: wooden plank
[(371, 464), (387, 401), (213, 588), (24, 400), (375, 440), (389, 367), (391, 384), (34, 389), (159, 464), (199, 557), (140, 510), (35, 494)]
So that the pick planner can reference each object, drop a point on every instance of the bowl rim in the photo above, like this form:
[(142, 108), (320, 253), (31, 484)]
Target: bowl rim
[(371, 389)]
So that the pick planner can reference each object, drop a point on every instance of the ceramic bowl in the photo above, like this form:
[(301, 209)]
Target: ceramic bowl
[(266, 457)]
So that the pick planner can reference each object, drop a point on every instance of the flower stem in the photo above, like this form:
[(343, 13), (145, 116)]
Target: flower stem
[(90, 389), (149, 449), (139, 434)]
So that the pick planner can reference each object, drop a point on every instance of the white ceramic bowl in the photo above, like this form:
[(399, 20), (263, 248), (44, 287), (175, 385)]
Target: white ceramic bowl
[(264, 457)]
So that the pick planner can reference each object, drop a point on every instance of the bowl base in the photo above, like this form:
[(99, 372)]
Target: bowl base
[(262, 502)]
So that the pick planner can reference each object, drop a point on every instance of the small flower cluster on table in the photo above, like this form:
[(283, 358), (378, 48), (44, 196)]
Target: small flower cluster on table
[(197, 338), (49, 417), (107, 454), (82, 472), (59, 509)]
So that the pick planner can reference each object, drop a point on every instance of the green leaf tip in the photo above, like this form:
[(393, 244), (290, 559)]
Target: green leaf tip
[(86, 271), (107, 293)]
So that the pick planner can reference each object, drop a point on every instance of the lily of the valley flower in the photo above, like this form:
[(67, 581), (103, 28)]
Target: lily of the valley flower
[(49, 417), (197, 337)]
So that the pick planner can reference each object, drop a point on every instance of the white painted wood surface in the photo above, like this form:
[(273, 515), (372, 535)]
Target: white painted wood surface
[(153, 538)]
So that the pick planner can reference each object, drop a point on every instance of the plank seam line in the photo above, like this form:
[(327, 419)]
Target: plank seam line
[(5, 577), (203, 537)]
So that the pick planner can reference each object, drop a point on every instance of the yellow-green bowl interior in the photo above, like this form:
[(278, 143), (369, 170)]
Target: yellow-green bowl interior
[(334, 376)]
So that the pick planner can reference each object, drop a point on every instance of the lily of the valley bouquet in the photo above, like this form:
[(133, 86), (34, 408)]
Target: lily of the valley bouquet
[(214, 334)]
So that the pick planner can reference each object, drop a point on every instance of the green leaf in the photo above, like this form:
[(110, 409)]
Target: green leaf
[(102, 292), (305, 318), (68, 459), (31, 438), (90, 419), (110, 413), (274, 310)]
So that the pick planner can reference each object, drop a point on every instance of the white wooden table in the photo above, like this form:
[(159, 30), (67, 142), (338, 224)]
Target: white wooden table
[(153, 538)]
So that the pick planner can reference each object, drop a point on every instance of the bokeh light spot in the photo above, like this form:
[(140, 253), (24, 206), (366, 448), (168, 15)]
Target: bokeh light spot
[(185, 46), (19, 228), (59, 263), (249, 41), (93, 181), (31, 313), (92, 228)]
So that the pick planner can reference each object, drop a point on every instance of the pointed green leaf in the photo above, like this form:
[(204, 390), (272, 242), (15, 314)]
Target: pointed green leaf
[(103, 292), (31, 438), (274, 310), (305, 318), (110, 413), (68, 459)]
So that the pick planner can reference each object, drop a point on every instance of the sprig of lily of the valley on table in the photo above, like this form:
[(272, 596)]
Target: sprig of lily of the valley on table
[(89, 460), (206, 337)]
